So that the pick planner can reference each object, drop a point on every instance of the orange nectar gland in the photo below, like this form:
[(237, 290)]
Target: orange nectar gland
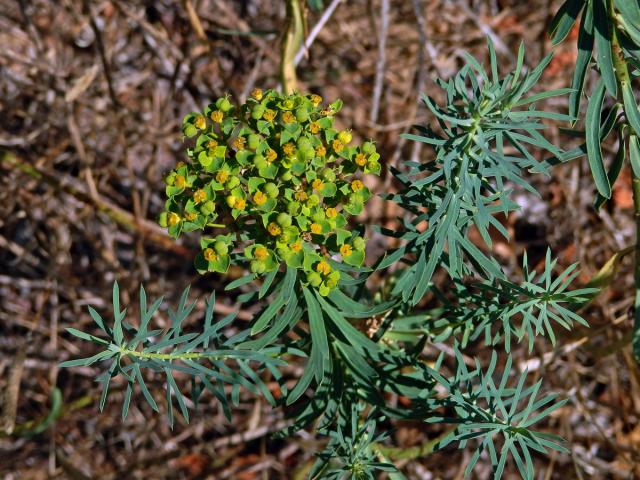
[(288, 117), (173, 219), (357, 185), (321, 151), (314, 127), (240, 204), (346, 250), (274, 229), (190, 216), (331, 212), (200, 122), (316, 228), (259, 198), (300, 196), (269, 115), (271, 155), (296, 246), (239, 143), (199, 196), (361, 160), (337, 145), (210, 254), (317, 184), (323, 267), (261, 253), (181, 182), (180, 164), (222, 176), (257, 93), (289, 149), (217, 116), (316, 100)]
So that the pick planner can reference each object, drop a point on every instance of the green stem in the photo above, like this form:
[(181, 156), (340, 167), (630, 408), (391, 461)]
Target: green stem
[(623, 78)]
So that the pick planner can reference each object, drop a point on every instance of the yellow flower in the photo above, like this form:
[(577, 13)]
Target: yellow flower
[(296, 246), (271, 155), (323, 267), (269, 115), (210, 254), (321, 151), (200, 122), (181, 182), (261, 253), (289, 149), (288, 117), (211, 144), (173, 219), (346, 250), (274, 229), (240, 204), (317, 184), (316, 228), (239, 143), (357, 185), (331, 212), (316, 99), (180, 164), (361, 161), (337, 145), (222, 176), (217, 116), (190, 216), (257, 93), (259, 198), (199, 196), (314, 127), (300, 196)]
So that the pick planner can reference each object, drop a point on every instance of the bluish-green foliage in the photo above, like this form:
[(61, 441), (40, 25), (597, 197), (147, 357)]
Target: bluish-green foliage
[(359, 346)]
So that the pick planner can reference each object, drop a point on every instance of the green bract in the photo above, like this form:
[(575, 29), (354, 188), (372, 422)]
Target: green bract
[(279, 181)]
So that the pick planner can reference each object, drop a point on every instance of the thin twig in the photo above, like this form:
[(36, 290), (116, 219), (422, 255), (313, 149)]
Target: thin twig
[(326, 15), (381, 63)]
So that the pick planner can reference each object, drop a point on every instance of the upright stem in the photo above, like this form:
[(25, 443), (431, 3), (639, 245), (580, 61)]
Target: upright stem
[(291, 43), (622, 76)]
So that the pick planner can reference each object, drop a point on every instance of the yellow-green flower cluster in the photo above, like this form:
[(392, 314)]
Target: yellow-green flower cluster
[(279, 179)]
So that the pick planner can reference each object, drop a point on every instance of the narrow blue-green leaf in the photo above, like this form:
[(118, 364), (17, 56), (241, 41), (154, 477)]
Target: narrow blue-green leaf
[(594, 150), (603, 46), (630, 107)]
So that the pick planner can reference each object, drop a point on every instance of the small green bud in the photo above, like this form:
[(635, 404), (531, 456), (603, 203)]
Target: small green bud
[(345, 136), (314, 279), (258, 111), (223, 104), (288, 104), (259, 161), (286, 176), (231, 200), (208, 207), (368, 148), (163, 220), (221, 247), (284, 220), (271, 189), (302, 114), (257, 267), (359, 243), (189, 130), (171, 178), (329, 175), (313, 200)]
